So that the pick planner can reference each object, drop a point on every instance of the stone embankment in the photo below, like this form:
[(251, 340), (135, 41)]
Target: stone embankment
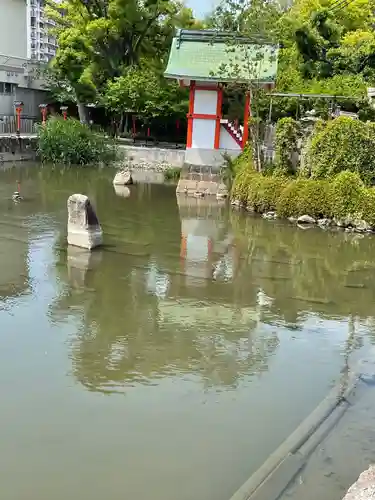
[(348, 224), (13, 148), (200, 182)]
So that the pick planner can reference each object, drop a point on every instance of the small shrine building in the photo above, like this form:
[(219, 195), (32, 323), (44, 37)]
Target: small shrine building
[(206, 61)]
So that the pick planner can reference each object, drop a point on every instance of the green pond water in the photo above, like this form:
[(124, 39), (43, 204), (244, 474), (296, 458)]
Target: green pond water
[(171, 362)]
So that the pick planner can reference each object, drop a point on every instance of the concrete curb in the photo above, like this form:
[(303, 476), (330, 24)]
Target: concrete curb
[(282, 466)]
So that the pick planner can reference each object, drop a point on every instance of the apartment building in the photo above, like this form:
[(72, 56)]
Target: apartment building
[(13, 28), (41, 44), (19, 77)]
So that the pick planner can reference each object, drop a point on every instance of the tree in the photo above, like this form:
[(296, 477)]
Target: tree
[(98, 41), (324, 41), (258, 17), (146, 93)]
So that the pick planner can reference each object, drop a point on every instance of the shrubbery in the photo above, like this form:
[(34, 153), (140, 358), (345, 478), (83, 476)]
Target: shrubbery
[(347, 194), (314, 199), (341, 166), (172, 174), (243, 181), (368, 206), (71, 142), (270, 189), (288, 202), (343, 144), (344, 196), (287, 134)]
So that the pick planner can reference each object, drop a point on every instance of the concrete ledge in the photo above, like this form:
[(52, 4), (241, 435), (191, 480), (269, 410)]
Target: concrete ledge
[(274, 476), (209, 157), (153, 157)]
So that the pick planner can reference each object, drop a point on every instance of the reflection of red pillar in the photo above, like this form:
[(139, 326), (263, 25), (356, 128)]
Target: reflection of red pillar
[(247, 113), (183, 252), (209, 262), (209, 247), (183, 247), (236, 257)]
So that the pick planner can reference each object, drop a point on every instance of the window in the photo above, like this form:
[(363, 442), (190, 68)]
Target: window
[(6, 88)]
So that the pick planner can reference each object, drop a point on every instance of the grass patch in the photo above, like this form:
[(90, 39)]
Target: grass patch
[(172, 174)]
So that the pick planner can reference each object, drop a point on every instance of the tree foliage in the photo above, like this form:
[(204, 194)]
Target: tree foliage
[(108, 47), (142, 92), (102, 43), (344, 144), (326, 47), (329, 45)]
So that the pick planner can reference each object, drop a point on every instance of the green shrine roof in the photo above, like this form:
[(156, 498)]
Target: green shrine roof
[(208, 55)]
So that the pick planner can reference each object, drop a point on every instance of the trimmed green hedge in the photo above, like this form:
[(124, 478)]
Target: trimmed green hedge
[(347, 192), (288, 202), (343, 196)]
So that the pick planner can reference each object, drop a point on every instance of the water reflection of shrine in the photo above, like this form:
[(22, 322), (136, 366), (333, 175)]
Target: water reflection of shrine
[(165, 315), (206, 243)]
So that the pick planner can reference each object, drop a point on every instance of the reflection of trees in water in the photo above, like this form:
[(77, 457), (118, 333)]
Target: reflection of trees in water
[(326, 272), (127, 337)]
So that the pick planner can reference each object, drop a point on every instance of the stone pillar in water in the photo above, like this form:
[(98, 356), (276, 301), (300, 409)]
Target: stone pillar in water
[(364, 487), (83, 226)]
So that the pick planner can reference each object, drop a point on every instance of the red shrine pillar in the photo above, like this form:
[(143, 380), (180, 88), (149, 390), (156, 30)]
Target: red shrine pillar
[(189, 138), (247, 114)]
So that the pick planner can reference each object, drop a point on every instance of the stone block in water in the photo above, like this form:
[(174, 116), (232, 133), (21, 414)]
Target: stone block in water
[(123, 178), (83, 226)]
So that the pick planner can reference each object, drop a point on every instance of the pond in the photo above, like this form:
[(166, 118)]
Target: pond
[(171, 362)]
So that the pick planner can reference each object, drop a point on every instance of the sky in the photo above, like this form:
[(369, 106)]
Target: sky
[(201, 7)]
